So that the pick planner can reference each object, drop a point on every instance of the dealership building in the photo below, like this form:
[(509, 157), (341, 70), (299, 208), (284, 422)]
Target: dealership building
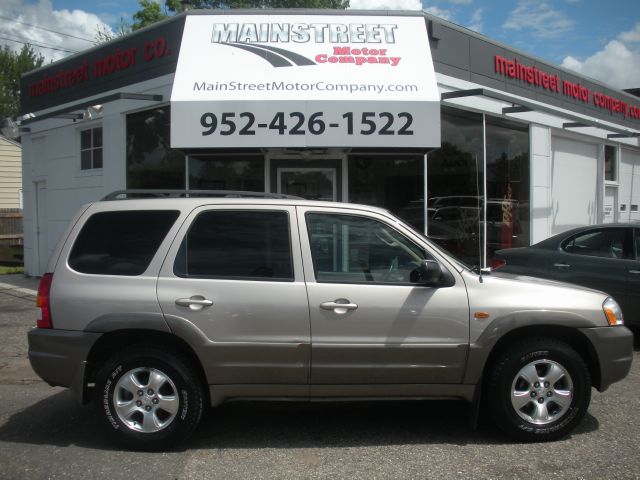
[(476, 144)]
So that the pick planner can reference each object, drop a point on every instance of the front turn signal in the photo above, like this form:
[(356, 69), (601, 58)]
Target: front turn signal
[(613, 312)]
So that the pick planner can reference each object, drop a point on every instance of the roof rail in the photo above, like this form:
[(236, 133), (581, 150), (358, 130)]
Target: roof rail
[(139, 193)]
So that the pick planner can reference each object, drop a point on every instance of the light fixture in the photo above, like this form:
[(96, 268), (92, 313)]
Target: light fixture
[(92, 112)]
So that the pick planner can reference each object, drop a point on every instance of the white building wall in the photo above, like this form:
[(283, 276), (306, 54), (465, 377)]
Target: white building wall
[(51, 160), (574, 185), (540, 175)]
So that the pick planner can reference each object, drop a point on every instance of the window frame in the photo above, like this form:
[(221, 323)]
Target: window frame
[(428, 254), (626, 246), (72, 255), (616, 165), (92, 147), (252, 209)]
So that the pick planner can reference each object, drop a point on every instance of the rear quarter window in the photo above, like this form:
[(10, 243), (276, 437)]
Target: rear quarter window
[(120, 243)]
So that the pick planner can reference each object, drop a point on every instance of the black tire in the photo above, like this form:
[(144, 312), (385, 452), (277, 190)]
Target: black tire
[(547, 411), (179, 390)]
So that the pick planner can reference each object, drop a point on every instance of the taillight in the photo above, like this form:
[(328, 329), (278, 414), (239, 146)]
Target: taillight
[(497, 263), (42, 301)]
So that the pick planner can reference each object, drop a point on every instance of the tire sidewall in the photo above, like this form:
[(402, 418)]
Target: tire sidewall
[(187, 417), (506, 416)]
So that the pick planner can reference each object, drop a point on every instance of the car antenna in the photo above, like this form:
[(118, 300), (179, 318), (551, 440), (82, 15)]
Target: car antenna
[(480, 215)]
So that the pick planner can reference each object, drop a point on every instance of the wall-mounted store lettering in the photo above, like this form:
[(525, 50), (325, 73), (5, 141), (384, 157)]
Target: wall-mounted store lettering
[(532, 75), (109, 64)]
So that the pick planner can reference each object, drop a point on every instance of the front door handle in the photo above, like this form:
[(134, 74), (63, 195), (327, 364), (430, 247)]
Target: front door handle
[(340, 305), (561, 265), (195, 303), (634, 272)]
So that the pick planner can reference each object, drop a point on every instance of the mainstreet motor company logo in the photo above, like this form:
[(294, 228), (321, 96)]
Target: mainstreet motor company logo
[(251, 37)]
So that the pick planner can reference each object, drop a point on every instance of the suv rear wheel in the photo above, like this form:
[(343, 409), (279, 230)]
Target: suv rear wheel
[(539, 389), (149, 398)]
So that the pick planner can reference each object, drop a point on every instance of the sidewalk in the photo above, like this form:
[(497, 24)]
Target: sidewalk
[(19, 285)]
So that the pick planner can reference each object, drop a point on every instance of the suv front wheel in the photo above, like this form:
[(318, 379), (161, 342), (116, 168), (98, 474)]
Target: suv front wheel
[(150, 399), (539, 389)]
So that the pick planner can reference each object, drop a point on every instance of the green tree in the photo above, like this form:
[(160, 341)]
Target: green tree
[(105, 34), (151, 11), (12, 65)]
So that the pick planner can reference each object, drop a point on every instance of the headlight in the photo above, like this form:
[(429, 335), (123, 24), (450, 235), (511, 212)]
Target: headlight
[(613, 312)]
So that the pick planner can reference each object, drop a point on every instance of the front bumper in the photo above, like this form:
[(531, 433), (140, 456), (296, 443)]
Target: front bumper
[(59, 356), (614, 350)]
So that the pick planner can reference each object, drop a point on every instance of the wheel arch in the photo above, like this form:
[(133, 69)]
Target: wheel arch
[(570, 336), (116, 340)]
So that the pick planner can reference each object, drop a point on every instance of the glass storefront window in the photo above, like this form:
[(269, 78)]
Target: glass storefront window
[(455, 181), (610, 163), (232, 172), (507, 185), (151, 162), (454, 186), (392, 182)]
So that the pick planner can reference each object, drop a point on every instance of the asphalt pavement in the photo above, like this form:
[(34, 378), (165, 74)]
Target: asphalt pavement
[(45, 435)]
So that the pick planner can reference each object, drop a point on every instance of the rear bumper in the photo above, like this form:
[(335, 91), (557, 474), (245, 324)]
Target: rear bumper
[(59, 356), (614, 350)]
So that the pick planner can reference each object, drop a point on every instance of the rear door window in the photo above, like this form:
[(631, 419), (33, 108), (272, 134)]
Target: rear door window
[(237, 244), (606, 242), (120, 243)]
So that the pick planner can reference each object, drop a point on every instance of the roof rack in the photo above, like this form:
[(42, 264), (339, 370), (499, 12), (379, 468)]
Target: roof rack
[(128, 194)]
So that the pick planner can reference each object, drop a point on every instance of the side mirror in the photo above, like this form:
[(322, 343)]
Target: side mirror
[(429, 273)]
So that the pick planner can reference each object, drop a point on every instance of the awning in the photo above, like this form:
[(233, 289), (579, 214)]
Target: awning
[(305, 81)]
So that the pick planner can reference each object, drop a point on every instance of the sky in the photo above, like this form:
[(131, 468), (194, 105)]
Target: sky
[(600, 39)]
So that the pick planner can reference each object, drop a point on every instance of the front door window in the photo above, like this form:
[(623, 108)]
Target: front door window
[(352, 249)]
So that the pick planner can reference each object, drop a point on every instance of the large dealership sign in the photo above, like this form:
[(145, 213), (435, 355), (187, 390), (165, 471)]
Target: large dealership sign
[(305, 81)]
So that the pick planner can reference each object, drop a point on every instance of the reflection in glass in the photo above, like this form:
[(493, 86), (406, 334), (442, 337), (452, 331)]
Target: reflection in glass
[(392, 182), (352, 249), (454, 186), (216, 172), (151, 162), (610, 163), (309, 183), (507, 185), (237, 244)]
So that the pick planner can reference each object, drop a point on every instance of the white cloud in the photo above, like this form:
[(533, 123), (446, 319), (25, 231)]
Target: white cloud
[(39, 23), (440, 12), (385, 5), (632, 36), (540, 18), (616, 64), (475, 23)]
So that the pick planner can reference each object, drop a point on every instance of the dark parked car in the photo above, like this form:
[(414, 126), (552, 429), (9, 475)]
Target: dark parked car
[(603, 257)]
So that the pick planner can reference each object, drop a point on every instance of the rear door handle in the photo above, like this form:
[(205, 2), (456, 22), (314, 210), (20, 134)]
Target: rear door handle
[(196, 302), (561, 265), (340, 305), (634, 272)]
